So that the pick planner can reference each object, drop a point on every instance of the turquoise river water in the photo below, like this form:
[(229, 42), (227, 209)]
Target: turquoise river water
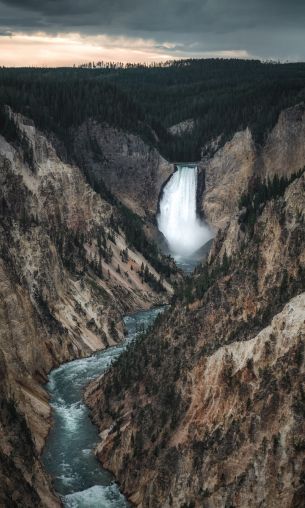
[(68, 455)]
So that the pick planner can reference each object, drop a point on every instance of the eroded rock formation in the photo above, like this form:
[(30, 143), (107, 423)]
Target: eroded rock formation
[(67, 275), (132, 170), (208, 409), (229, 169)]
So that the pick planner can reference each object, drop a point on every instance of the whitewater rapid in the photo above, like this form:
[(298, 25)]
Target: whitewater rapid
[(177, 219)]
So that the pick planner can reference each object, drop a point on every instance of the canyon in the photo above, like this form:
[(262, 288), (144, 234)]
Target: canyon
[(67, 276), (207, 409)]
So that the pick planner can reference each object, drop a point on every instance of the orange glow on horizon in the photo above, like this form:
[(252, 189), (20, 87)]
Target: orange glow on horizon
[(43, 50)]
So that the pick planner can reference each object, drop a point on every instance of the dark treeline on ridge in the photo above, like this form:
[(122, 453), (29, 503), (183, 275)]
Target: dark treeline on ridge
[(219, 96)]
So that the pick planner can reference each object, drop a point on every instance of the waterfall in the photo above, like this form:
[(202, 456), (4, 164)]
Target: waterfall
[(177, 219)]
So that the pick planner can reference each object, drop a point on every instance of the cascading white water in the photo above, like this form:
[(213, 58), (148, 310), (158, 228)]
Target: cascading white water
[(177, 219)]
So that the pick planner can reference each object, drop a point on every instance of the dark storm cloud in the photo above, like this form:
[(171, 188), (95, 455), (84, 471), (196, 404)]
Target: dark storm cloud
[(267, 28)]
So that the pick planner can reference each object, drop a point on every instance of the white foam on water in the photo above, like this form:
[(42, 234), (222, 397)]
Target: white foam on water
[(66, 480), (87, 451), (96, 497), (70, 414)]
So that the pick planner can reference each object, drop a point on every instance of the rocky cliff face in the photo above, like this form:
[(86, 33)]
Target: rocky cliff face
[(227, 174), (284, 150), (208, 409), (66, 279), (229, 170), (133, 171), (186, 126)]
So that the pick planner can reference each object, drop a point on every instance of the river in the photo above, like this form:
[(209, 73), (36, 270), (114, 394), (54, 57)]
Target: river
[(68, 455)]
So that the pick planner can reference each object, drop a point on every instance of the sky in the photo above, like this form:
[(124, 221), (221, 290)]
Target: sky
[(67, 32)]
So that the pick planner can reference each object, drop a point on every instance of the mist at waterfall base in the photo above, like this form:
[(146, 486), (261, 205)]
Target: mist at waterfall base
[(177, 219)]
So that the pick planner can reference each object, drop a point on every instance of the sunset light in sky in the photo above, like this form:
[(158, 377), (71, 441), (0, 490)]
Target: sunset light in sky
[(40, 49), (69, 32)]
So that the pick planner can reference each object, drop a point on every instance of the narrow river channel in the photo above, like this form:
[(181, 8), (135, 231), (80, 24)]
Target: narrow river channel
[(68, 455)]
